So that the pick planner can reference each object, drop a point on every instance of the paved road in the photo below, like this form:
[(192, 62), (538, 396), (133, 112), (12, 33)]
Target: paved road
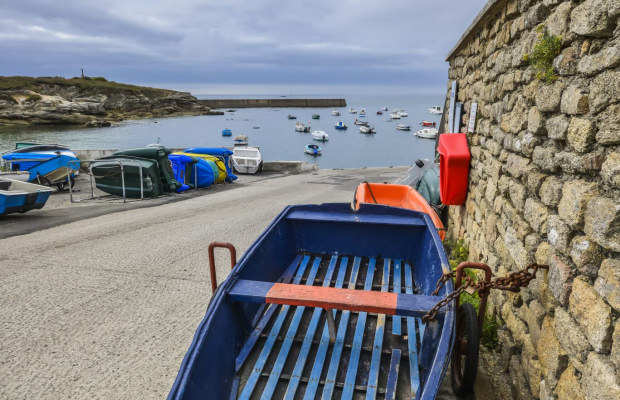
[(106, 307)]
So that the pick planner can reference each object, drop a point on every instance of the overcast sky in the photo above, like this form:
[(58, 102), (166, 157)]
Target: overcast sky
[(210, 46)]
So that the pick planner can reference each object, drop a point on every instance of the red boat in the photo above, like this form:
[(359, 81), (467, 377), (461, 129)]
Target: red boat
[(427, 123)]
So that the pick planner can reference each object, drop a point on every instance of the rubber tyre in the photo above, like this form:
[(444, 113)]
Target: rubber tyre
[(465, 353)]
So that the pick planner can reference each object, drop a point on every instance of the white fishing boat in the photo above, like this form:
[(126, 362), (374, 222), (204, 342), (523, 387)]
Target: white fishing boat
[(247, 160), (320, 136), (352, 111), (395, 115), (300, 127), (335, 113), (362, 112), (384, 108), (427, 133), (435, 110), (359, 122), (367, 129), (403, 113), (403, 127)]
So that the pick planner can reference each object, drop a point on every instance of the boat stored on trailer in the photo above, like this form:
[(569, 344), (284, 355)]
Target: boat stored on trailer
[(327, 302)]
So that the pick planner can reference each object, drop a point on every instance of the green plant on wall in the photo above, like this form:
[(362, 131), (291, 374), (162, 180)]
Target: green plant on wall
[(545, 50), (458, 254)]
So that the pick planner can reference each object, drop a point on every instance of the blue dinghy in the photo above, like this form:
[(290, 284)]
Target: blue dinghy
[(17, 196), (225, 154), (327, 303), (192, 171)]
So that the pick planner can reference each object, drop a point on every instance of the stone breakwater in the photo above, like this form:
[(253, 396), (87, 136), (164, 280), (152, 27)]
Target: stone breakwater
[(65, 104), (282, 103), (544, 187)]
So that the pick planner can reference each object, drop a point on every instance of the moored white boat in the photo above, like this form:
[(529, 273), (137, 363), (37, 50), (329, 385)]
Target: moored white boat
[(240, 140), (247, 160), (300, 127), (367, 129), (363, 112), (358, 122), (335, 113), (352, 111), (403, 127), (320, 135), (427, 133), (403, 113), (435, 110), (395, 115)]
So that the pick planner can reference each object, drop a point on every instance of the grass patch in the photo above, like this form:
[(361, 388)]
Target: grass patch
[(95, 85), (459, 253), (545, 50)]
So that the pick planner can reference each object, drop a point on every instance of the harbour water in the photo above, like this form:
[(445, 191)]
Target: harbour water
[(275, 133)]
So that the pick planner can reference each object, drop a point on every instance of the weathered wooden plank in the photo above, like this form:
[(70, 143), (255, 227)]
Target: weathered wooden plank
[(349, 382), (396, 322), (375, 361), (414, 372), (390, 389)]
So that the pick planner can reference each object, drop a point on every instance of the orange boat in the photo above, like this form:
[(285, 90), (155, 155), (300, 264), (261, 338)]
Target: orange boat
[(402, 196)]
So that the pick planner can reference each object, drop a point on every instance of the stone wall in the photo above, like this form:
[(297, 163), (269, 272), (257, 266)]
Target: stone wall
[(544, 187)]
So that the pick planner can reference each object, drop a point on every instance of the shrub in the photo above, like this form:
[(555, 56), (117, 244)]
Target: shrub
[(99, 79), (32, 98), (545, 50)]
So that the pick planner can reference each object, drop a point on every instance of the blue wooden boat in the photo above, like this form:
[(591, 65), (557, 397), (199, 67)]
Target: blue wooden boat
[(17, 196), (327, 302), (340, 125)]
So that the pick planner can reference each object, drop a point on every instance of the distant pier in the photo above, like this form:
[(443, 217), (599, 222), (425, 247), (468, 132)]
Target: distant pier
[(269, 103)]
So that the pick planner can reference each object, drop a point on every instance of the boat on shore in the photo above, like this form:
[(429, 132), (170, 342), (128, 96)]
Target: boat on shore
[(403, 127), (340, 125), (426, 133), (313, 149), (20, 197), (320, 136), (308, 293), (47, 165), (194, 172), (247, 160)]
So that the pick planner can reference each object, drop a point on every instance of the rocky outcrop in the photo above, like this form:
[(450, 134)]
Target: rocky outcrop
[(72, 102), (544, 186)]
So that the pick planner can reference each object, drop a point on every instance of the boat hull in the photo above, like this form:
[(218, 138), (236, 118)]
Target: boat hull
[(328, 243), (20, 197), (110, 178)]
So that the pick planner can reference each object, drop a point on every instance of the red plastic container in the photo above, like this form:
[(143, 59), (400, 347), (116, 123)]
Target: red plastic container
[(453, 168)]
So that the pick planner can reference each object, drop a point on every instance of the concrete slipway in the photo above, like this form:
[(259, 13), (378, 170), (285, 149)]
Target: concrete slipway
[(106, 305)]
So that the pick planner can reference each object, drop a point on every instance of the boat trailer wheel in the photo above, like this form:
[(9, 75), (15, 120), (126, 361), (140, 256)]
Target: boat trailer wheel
[(465, 352)]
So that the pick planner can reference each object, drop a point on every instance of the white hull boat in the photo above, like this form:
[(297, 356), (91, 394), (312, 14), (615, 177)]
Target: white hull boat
[(320, 136), (395, 116), (367, 129), (358, 122), (403, 127), (352, 111), (335, 113), (435, 110), (247, 160), (299, 127), (427, 133)]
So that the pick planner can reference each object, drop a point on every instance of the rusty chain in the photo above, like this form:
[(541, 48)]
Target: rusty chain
[(513, 283)]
